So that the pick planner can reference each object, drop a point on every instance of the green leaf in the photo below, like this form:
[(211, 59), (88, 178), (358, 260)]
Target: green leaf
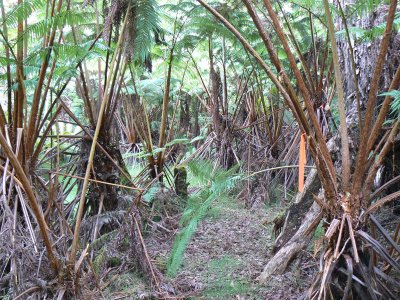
[(197, 138), (177, 141), (395, 105)]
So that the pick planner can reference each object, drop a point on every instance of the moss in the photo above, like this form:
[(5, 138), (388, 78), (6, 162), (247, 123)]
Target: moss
[(114, 262), (181, 185), (125, 242), (98, 261), (222, 282), (131, 284), (161, 263)]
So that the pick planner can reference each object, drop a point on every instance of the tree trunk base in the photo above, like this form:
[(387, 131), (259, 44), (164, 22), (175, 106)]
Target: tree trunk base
[(296, 212), (280, 261)]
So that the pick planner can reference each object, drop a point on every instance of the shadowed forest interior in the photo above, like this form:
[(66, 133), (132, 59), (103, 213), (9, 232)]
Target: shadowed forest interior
[(203, 149)]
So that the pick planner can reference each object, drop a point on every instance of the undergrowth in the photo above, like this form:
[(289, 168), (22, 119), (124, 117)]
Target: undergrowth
[(214, 185), (221, 283), (130, 283)]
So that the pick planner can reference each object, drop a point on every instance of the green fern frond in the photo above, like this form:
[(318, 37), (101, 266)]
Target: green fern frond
[(70, 18), (184, 236), (201, 170), (146, 23), (218, 182), (64, 72), (194, 202), (362, 8), (4, 61), (72, 52), (183, 6), (367, 35), (150, 195), (21, 12), (395, 105), (310, 4), (28, 83), (29, 70)]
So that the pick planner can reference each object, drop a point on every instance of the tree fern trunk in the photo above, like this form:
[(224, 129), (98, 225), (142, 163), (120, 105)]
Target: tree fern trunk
[(365, 55)]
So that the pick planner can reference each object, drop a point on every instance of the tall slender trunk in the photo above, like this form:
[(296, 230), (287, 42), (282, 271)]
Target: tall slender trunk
[(224, 75), (8, 69), (214, 92), (20, 93), (164, 116)]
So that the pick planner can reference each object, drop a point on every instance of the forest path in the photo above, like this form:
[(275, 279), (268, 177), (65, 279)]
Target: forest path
[(223, 259), (228, 252)]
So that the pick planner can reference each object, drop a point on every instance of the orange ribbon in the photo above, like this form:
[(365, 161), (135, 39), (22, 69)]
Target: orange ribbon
[(302, 162)]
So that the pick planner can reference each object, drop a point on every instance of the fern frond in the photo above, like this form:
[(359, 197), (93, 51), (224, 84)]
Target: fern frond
[(151, 193), (184, 236), (28, 83), (367, 35), (395, 105), (219, 182), (362, 8), (4, 61), (70, 18), (21, 12), (146, 23)]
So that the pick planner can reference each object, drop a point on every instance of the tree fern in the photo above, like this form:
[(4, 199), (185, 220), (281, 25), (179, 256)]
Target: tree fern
[(72, 52), (4, 61)]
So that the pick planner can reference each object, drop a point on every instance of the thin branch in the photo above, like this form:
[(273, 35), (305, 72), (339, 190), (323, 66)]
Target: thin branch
[(98, 181)]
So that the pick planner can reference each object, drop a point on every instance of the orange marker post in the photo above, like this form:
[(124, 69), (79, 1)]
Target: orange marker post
[(302, 161)]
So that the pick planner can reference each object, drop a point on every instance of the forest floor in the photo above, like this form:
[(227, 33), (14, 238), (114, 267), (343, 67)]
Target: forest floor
[(231, 246), (228, 253)]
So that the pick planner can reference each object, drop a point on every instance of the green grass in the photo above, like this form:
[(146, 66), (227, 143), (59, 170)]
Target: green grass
[(216, 185), (131, 283), (219, 207), (319, 232), (221, 283)]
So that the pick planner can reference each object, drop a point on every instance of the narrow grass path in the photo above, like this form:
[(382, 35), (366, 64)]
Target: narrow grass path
[(228, 252), (231, 246)]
